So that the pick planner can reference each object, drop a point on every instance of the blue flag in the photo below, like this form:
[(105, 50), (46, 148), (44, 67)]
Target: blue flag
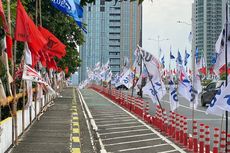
[(213, 60), (196, 54), (186, 57), (171, 55), (179, 58), (163, 61), (71, 8)]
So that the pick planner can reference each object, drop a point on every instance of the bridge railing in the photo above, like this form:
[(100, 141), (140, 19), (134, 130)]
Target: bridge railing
[(25, 118)]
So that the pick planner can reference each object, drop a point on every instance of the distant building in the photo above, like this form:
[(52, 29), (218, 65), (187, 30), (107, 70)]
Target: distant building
[(113, 31), (208, 18)]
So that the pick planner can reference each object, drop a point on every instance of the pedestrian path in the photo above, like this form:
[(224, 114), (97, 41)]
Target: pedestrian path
[(120, 131), (56, 131)]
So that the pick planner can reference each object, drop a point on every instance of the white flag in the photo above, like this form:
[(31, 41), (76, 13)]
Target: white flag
[(29, 93), (31, 75), (214, 105), (127, 78), (184, 89), (28, 57), (109, 76), (152, 65), (174, 103), (220, 50), (159, 91)]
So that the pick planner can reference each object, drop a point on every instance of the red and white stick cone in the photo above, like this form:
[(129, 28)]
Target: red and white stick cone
[(216, 140), (222, 142), (185, 137), (195, 137), (207, 139), (201, 140)]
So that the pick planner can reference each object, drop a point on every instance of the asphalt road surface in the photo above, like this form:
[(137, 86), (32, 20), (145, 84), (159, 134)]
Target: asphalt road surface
[(213, 121), (120, 131)]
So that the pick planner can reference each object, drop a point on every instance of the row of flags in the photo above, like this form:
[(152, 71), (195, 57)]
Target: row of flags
[(41, 48)]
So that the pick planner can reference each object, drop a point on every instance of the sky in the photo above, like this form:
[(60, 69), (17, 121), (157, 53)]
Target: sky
[(160, 19)]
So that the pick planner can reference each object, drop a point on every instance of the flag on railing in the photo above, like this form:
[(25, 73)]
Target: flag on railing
[(163, 61), (127, 78), (22, 24), (28, 56), (179, 59), (186, 57), (155, 90), (54, 46), (3, 18), (72, 8), (220, 50), (214, 105), (29, 90), (151, 64), (171, 55), (174, 103)]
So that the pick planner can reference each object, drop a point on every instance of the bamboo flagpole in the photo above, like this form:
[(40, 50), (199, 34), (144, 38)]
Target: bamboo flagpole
[(14, 105), (226, 64)]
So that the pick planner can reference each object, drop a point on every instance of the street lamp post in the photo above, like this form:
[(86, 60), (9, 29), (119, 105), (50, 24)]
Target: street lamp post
[(158, 43)]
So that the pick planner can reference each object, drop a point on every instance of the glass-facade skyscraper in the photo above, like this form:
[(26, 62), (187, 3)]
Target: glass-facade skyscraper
[(208, 18), (113, 32)]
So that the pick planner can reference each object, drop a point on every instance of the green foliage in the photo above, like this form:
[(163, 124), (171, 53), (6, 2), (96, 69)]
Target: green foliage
[(62, 26), (205, 82)]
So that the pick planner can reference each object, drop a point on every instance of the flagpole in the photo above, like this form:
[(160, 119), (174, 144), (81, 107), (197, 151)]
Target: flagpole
[(14, 105), (151, 82), (226, 64), (40, 12)]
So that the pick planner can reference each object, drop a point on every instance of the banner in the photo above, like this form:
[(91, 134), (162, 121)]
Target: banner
[(159, 91)]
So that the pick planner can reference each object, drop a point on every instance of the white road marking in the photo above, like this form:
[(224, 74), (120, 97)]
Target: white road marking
[(129, 136), (207, 119), (115, 121), (167, 151), (145, 147), (104, 116), (153, 130), (103, 119), (126, 127), (186, 107), (108, 114), (124, 131), (117, 124), (121, 143)]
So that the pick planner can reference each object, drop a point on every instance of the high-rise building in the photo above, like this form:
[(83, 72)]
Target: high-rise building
[(113, 32), (208, 18)]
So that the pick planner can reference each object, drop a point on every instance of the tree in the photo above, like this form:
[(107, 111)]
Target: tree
[(62, 26)]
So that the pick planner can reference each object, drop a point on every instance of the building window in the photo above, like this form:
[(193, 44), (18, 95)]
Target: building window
[(89, 9), (102, 9), (102, 2)]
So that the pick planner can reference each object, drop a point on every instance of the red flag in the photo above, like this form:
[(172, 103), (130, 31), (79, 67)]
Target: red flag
[(2, 15), (203, 70), (211, 70), (54, 46), (22, 26), (66, 70), (42, 59), (52, 64), (223, 69), (37, 42), (9, 44)]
